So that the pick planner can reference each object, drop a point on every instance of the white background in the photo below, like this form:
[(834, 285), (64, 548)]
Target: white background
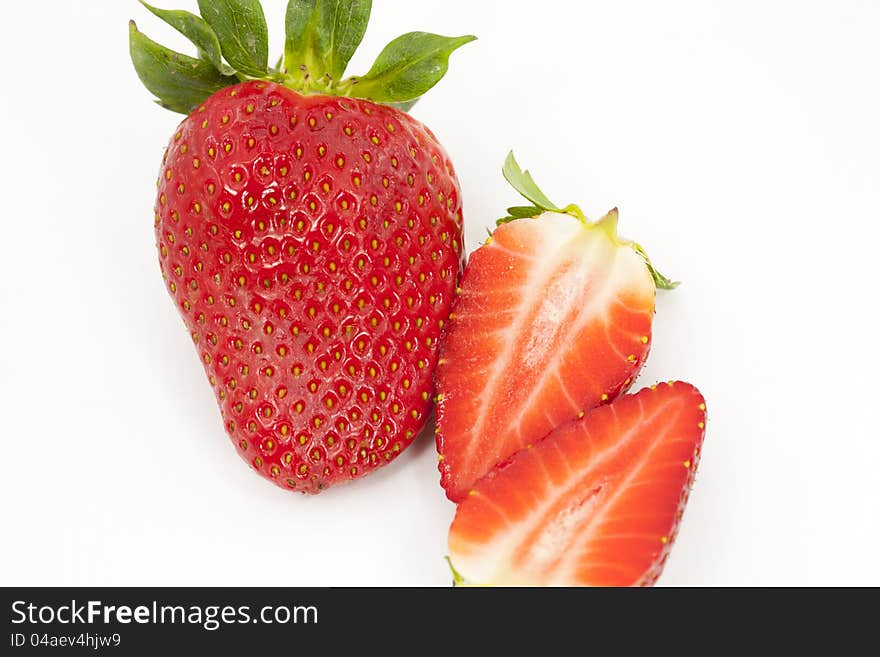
[(741, 142)]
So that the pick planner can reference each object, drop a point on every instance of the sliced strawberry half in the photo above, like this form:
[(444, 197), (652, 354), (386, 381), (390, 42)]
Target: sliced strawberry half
[(553, 317), (597, 503)]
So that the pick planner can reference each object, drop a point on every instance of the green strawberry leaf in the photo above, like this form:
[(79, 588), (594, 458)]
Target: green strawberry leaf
[(406, 105), (181, 83), (298, 22), (524, 211), (457, 579), (197, 30), (519, 212), (407, 68), (322, 35), (240, 26), (661, 281), (523, 183)]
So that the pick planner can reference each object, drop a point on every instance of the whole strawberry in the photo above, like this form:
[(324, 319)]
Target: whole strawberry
[(308, 230)]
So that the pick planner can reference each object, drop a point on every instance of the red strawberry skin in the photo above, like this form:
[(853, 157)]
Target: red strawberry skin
[(598, 502), (553, 317), (312, 245)]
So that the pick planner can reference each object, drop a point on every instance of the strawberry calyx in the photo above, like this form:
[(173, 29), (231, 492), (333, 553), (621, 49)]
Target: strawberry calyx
[(522, 181), (231, 39)]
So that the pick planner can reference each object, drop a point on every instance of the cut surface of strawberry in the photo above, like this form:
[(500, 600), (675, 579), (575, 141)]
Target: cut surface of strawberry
[(553, 317), (597, 503)]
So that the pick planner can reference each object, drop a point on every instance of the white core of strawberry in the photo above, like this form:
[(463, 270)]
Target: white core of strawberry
[(491, 564), (575, 263)]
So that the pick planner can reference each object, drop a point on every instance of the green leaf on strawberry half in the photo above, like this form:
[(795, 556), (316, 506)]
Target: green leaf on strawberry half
[(309, 231)]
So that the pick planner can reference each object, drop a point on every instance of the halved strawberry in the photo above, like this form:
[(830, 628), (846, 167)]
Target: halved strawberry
[(553, 317), (597, 503)]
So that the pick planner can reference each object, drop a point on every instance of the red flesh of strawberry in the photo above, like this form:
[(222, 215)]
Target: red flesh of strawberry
[(312, 245), (553, 317), (598, 502)]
